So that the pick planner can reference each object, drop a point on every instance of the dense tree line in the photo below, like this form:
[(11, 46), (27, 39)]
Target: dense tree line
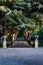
[(20, 15)]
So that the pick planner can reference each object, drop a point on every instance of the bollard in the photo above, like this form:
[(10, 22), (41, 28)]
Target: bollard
[(4, 42), (36, 41)]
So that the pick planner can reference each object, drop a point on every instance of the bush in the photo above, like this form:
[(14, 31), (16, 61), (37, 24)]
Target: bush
[(1, 44), (8, 44)]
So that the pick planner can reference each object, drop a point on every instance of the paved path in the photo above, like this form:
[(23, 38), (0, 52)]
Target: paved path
[(21, 56), (21, 44)]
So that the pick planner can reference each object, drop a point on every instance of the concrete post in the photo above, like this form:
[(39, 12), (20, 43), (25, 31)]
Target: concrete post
[(36, 42), (4, 42)]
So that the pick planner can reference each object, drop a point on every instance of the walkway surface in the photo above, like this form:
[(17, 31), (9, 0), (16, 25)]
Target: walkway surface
[(21, 44), (21, 56)]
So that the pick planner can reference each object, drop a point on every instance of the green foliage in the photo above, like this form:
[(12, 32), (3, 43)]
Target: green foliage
[(19, 16), (40, 33), (1, 44), (8, 44)]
